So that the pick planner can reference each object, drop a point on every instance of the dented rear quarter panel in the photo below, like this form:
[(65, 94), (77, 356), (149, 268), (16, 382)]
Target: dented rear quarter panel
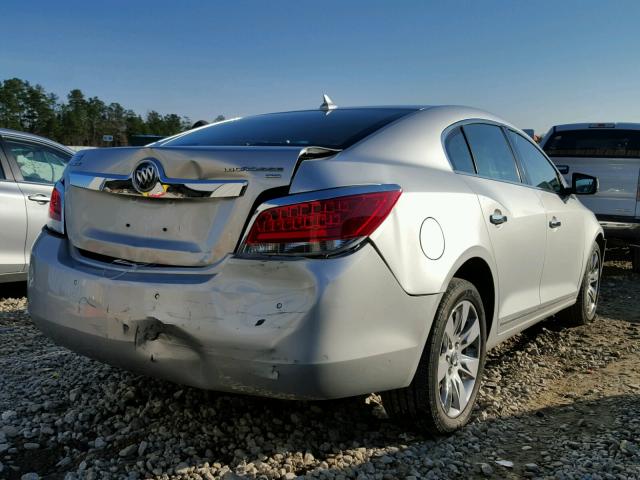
[(410, 153)]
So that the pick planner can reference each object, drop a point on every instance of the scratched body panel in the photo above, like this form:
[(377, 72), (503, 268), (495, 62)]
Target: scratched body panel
[(282, 329)]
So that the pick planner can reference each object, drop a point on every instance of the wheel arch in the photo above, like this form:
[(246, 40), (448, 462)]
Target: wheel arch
[(477, 271), (602, 243), (476, 266), (593, 234), (597, 238)]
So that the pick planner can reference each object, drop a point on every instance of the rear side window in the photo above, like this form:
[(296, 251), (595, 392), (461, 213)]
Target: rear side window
[(458, 152), (491, 152), (337, 129), (538, 170), (606, 143)]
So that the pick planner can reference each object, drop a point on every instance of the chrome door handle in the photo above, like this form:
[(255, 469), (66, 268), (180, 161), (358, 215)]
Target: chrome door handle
[(497, 218), (555, 223), (39, 197)]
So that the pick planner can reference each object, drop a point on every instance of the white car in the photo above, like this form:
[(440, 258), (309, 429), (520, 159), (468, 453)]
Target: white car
[(318, 254)]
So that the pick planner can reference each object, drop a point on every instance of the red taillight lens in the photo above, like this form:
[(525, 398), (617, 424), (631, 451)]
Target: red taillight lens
[(319, 226), (56, 209), (55, 206)]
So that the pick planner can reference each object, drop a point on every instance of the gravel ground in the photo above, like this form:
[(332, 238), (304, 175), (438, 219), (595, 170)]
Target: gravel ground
[(556, 402)]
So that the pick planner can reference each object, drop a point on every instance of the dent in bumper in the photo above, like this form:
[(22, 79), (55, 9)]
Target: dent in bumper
[(295, 328)]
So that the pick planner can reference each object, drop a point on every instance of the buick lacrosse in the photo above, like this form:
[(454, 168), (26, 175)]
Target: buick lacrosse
[(318, 254)]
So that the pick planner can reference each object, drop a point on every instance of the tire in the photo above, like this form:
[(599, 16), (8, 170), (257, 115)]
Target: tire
[(424, 401), (584, 311)]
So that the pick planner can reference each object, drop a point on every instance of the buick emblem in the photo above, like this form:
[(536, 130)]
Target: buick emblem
[(145, 176)]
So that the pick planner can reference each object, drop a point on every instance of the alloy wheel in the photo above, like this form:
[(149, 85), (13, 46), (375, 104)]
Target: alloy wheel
[(459, 358), (593, 282)]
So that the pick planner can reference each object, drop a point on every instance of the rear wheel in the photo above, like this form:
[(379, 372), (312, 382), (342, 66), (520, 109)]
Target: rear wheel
[(445, 386), (584, 310)]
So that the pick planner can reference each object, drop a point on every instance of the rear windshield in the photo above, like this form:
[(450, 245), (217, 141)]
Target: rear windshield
[(594, 143), (337, 129)]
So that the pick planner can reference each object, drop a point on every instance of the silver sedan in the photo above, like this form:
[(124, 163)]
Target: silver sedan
[(29, 167), (318, 254)]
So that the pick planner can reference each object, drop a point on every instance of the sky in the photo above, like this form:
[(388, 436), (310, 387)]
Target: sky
[(535, 64)]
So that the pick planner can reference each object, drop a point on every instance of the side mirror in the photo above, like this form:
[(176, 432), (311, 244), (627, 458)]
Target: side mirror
[(583, 184)]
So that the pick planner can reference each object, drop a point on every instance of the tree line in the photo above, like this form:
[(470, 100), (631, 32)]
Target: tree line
[(79, 120)]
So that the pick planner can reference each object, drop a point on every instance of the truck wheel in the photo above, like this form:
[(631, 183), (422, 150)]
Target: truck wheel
[(584, 310), (445, 386)]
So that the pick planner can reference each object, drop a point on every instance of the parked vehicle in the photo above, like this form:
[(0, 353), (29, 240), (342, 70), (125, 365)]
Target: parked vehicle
[(318, 254), (29, 167), (610, 151)]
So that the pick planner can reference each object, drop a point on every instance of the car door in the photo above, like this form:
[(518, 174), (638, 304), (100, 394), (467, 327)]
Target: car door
[(13, 219), (565, 223), (37, 167), (515, 220)]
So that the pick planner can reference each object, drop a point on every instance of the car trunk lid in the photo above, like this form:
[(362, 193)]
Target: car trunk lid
[(194, 214)]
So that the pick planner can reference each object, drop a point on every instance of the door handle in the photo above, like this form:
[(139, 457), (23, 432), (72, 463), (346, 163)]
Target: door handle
[(555, 223), (497, 218), (39, 197)]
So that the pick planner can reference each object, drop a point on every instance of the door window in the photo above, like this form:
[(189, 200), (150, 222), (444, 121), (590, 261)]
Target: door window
[(537, 168), (38, 163), (491, 152), (458, 152)]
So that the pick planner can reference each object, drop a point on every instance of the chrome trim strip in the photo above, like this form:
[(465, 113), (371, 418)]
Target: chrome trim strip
[(328, 193), (189, 188), (93, 181)]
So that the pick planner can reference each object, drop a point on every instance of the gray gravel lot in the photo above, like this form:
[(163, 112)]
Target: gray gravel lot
[(556, 402)]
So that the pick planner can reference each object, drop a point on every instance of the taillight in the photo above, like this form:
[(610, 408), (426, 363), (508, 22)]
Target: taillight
[(56, 209), (321, 226), (55, 205)]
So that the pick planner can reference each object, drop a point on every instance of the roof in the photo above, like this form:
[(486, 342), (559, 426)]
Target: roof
[(338, 107), (32, 137)]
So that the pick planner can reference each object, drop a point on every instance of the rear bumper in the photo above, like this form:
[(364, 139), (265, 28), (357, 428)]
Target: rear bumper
[(282, 328)]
